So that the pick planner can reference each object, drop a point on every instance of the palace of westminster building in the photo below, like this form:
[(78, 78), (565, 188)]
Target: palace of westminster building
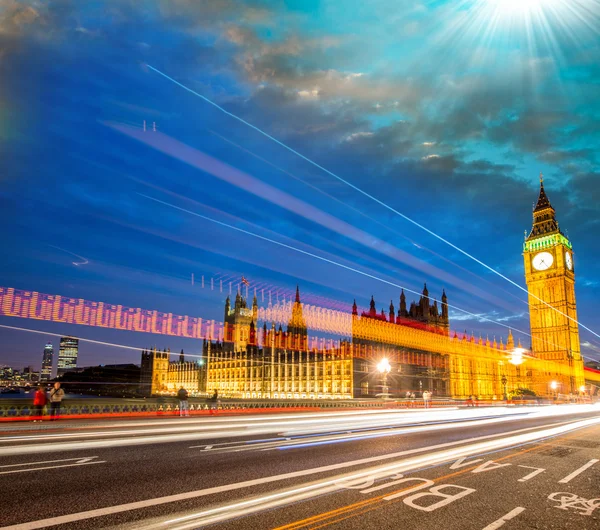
[(248, 361)]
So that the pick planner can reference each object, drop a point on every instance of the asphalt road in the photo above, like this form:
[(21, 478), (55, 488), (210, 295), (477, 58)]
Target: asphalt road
[(465, 469)]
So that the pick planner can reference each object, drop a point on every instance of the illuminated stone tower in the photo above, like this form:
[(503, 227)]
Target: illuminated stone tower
[(239, 322), (297, 331), (550, 277)]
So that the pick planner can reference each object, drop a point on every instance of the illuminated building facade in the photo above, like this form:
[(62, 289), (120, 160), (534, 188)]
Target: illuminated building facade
[(249, 363), (47, 361), (159, 375), (550, 277), (67, 354)]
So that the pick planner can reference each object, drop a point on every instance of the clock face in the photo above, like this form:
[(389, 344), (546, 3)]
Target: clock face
[(542, 261), (569, 261)]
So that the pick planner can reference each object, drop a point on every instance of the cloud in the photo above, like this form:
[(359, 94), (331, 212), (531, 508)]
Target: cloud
[(16, 16)]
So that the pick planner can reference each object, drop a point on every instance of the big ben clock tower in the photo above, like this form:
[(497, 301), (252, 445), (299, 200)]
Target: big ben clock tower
[(550, 277)]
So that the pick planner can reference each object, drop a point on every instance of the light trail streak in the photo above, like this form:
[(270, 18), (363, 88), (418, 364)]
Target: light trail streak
[(445, 453), (371, 197), (359, 212), (327, 260), (246, 182), (84, 340), (84, 262), (322, 428), (340, 482)]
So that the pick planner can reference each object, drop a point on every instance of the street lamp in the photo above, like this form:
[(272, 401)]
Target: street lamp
[(516, 357), (504, 381), (384, 369), (554, 386)]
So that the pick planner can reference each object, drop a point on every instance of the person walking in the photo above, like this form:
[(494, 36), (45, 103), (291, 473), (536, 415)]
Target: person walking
[(56, 396), (39, 402), (184, 406), (426, 398), (214, 403)]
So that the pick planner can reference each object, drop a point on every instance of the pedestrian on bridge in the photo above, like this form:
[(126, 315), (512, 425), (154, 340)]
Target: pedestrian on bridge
[(56, 396), (184, 405), (214, 403), (426, 399), (39, 402)]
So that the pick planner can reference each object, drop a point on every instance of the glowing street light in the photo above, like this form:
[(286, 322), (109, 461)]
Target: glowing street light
[(554, 387), (384, 369), (516, 357)]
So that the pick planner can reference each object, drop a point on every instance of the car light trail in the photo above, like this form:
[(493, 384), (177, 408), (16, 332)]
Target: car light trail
[(320, 426), (340, 482)]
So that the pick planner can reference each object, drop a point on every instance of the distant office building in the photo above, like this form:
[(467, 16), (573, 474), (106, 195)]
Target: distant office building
[(29, 374), (47, 360), (67, 354)]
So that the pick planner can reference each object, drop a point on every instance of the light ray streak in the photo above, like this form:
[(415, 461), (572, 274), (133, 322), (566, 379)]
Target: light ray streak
[(373, 198), (84, 262), (356, 210), (84, 340), (204, 162), (327, 260)]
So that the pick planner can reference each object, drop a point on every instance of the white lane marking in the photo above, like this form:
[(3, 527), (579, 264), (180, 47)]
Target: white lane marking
[(490, 465), (568, 478), (461, 463), (208, 447), (500, 522), (48, 462), (537, 471), (328, 483), (51, 467)]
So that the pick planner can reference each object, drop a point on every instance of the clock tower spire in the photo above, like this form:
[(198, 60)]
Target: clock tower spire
[(550, 277)]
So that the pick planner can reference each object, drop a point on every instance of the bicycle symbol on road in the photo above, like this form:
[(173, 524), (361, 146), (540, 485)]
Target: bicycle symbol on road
[(569, 501)]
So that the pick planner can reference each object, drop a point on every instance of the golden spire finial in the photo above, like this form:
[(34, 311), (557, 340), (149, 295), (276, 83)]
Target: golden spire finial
[(541, 178)]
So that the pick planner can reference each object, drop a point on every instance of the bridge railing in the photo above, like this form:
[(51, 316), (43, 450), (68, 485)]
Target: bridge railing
[(73, 407)]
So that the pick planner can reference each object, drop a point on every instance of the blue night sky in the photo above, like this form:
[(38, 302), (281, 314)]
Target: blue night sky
[(444, 111)]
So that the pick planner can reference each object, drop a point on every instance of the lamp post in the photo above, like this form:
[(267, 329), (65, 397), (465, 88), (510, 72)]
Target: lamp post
[(504, 381), (554, 387), (571, 378), (384, 369)]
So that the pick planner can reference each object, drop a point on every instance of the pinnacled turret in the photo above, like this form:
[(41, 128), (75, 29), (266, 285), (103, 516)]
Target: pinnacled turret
[(227, 307), (372, 309), (444, 305), (413, 310), (425, 303), (255, 309), (392, 312), (383, 317), (354, 308), (181, 357), (510, 341), (403, 312)]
